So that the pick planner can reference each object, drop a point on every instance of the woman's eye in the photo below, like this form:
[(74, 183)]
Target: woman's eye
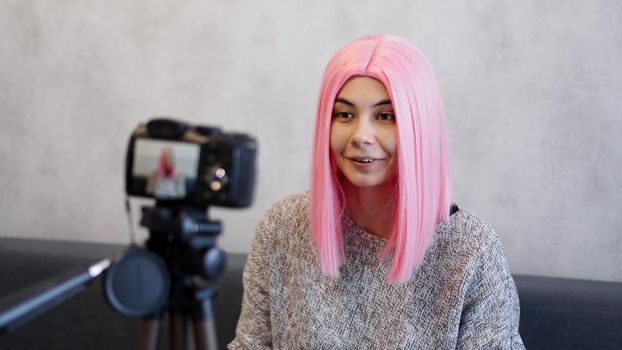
[(343, 115), (386, 117)]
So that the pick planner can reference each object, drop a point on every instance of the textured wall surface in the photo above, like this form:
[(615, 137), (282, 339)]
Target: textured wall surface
[(531, 89)]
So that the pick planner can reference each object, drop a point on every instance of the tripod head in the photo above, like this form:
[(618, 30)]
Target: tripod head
[(186, 236)]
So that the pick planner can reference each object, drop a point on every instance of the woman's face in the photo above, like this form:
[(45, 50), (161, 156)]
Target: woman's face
[(363, 133)]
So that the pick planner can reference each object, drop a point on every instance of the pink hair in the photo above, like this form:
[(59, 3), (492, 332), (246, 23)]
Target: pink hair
[(422, 186), (166, 155)]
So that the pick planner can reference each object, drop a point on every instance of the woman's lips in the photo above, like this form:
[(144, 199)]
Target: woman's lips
[(365, 163)]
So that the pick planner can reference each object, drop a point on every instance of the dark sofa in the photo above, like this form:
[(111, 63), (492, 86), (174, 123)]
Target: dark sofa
[(555, 313)]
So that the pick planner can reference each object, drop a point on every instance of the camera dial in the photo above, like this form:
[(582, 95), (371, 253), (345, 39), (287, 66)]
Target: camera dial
[(216, 178)]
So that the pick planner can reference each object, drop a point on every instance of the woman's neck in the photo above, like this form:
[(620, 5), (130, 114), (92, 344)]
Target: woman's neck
[(370, 208)]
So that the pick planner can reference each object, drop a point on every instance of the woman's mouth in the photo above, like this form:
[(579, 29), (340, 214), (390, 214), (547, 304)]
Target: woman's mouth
[(365, 162)]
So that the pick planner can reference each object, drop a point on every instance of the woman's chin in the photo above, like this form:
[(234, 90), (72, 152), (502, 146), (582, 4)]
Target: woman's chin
[(366, 181)]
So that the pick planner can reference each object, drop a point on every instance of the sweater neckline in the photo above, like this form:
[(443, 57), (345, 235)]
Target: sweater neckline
[(368, 236), (350, 224)]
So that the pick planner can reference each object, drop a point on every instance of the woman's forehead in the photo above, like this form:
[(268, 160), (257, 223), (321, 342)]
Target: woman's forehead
[(363, 91)]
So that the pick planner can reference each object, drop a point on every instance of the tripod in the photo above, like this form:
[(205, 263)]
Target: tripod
[(198, 312), (181, 264)]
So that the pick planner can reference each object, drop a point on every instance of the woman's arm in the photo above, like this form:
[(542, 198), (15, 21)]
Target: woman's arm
[(254, 329), (490, 314)]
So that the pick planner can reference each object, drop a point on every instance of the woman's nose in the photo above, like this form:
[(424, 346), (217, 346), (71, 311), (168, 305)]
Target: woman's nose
[(363, 132)]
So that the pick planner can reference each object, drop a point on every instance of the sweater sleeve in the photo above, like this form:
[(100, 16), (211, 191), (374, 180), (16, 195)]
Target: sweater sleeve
[(254, 329), (490, 313)]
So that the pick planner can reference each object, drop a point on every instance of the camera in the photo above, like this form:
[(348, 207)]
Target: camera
[(178, 163)]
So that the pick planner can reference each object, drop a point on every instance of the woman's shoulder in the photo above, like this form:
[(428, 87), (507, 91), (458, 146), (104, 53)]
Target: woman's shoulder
[(469, 230), (287, 212), (466, 243), (292, 207), (286, 222)]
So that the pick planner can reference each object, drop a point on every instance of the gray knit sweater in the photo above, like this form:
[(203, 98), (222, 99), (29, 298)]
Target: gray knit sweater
[(462, 296)]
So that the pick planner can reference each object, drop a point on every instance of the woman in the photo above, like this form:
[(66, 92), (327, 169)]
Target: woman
[(165, 183), (375, 256)]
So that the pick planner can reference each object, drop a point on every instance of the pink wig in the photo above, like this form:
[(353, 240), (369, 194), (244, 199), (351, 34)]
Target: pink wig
[(422, 191), (166, 165)]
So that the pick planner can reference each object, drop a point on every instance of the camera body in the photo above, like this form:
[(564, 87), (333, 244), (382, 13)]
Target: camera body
[(177, 163)]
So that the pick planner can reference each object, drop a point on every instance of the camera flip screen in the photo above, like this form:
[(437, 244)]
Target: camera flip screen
[(164, 169)]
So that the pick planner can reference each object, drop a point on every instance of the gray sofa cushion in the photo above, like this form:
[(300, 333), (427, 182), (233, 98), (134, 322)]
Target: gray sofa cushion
[(558, 313)]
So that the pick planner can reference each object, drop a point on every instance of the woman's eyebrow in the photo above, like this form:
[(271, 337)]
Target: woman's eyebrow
[(344, 101), (383, 102)]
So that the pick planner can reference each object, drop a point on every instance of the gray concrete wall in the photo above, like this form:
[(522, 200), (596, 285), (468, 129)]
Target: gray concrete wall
[(531, 88)]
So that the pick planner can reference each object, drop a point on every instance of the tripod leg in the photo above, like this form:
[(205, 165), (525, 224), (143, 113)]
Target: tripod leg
[(148, 337), (178, 331), (205, 334)]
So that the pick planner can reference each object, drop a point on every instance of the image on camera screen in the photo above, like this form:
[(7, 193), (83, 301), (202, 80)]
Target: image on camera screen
[(168, 169)]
